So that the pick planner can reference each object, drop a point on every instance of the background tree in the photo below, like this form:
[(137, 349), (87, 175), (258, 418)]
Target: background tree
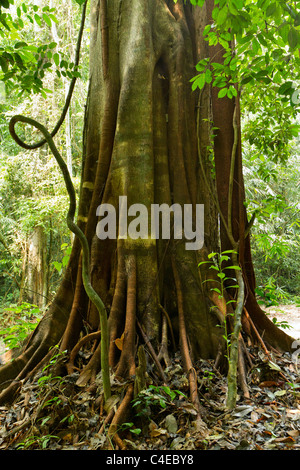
[(148, 137), (33, 198)]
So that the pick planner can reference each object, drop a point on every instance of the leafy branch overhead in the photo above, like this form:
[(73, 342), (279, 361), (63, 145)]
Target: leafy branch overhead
[(266, 38), (23, 59)]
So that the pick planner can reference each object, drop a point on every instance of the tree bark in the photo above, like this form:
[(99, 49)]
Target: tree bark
[(145, 136), (36, 272)]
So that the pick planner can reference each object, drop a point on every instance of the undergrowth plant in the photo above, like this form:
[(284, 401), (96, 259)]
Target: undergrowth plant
[(23, 318), (154, 397), (217, 263)]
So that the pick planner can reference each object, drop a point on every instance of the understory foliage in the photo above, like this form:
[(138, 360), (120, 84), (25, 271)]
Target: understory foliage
[(36, 74), (154, 392)]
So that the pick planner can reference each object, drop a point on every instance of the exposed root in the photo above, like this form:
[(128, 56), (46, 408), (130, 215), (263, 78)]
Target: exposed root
[(242, 369), (168, 321), (192, 376), (119, 417), (116, 316), (90, 371), (153, 354), (163, 352), (90, 337), (107, 420), (259, 338), (127, 359)]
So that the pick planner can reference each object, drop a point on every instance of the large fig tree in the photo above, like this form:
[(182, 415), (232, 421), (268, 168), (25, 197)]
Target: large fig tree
[(148, 137)]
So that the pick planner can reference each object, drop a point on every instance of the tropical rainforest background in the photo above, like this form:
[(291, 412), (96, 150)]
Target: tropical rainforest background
[(37, 65)]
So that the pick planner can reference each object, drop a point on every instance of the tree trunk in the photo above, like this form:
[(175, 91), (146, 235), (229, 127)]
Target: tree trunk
[(145, 136), (36, 270)]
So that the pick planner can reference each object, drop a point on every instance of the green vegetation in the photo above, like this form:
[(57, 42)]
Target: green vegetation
[(36, 68), (264, 71)]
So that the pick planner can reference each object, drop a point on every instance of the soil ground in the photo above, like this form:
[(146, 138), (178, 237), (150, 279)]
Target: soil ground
[(56, 413), (289, 314)]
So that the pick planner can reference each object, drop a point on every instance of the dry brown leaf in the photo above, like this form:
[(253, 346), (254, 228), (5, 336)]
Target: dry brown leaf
[(285, 439), (268, 383), (119, 342), (157, 432)]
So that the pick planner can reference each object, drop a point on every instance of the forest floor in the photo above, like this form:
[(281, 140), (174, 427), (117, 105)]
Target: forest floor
[(289, 314), (55, 413)]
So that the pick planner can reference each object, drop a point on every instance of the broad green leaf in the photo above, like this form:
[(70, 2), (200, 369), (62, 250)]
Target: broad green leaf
[(285, 88), (4, 3), (293, 38), (20, 44), (208, 76), (47, 19), (37, 19), (222, 15), (216, 290), (271, 9), (222, 93), (56, 59), (3, 63)]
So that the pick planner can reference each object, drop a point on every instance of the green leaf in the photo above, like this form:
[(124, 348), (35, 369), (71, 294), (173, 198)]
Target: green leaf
[(216, 290), (3, 63), (37, 19), (206, 29), (137, 430), (204, 262), (293, 38), (271, 9), (222, 93), (285, 88), (4, 3), (237, 268), (20, 44), (47, 19), (57, 266), (222, 15), (208, 76), (56, 59), (198, 81), (297, 20), (214, 267)]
